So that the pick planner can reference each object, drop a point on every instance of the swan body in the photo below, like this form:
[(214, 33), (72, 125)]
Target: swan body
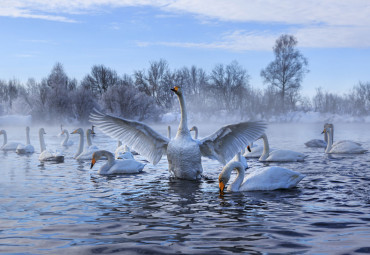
[(266, 178), (66, 141), (341, 147), (116, 166), (123, 152), (316, 143), (254, 151), (279, 155), (28, 148), (183, 152), (48, 155), (84, 154), (11, 146)]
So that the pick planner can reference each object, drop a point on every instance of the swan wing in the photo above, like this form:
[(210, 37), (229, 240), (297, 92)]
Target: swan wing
[(135, 134), (229, 140)]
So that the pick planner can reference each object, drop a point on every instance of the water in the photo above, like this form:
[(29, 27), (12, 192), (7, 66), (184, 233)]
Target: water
[(68, 208)]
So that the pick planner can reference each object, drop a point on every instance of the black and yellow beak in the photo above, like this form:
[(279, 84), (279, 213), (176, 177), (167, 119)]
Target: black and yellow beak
[(249, 148), (93, 161), (175, 89), (324, 131), (221, 185)]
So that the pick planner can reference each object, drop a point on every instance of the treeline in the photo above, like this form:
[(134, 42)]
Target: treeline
[(146, 95)]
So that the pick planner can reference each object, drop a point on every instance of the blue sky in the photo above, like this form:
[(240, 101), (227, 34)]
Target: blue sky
[(126, 35)]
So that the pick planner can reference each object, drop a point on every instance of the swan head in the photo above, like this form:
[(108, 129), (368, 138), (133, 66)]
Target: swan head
[(194, 128), (98, 154), (42, 131), (92, 130), (249, 148), (2, 132), (177, 90), (78, 131), (223, 179)]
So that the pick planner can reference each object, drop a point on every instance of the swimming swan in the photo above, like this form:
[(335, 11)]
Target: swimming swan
[(183, 153), (279, 155), (116, 166), (123, 152), (66, 141), (318, 143), (28, 148), (48, 155), (82, 153), (345, 146), (266, 178), (12, 146)]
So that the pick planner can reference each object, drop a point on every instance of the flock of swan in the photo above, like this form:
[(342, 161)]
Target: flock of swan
[(227, 145)]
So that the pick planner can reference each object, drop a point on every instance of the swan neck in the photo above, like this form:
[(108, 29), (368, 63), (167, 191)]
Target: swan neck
[(183, 127), (28, 136), (42, 141), (195, 133), (80, 145), (169, 132), (88, 137), (235, 185), (5, 138), (66, 138), (266, 148), (329, 135)]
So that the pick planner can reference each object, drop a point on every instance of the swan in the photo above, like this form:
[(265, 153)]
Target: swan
[(116, 166), (318, 143), (48, 155), (195, 129), (279, 155), (66, 141), (254, 151), (90, 149), (266, 178), (183, 153), (28, 148), (123, 152), (12, 146), (92, 130), (345, 146)]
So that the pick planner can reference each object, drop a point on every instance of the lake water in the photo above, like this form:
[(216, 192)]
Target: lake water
[(68, 208)]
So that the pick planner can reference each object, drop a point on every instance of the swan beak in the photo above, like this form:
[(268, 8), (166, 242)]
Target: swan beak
[(222, 187), (74, 132), (175, 89), (249, 148), (323, 131), (93, 161)]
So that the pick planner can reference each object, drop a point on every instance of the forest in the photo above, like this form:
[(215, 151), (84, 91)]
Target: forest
[(146, 95)]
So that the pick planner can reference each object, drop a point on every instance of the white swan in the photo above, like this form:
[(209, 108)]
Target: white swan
[(183, 153), (123, 152), (195, 129), (341, 147), (253, 151), (11, 146), (28, 148), (279, 155), (82, 153), (116, 166), (48, 155), (66, 141), (266, 178), (318, 143)]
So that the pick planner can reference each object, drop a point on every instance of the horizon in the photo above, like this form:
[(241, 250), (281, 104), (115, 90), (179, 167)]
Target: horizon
[(127, 35)]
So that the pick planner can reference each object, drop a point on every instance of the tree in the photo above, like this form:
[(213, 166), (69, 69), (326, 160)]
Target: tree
[(100, 79), (286, 72)]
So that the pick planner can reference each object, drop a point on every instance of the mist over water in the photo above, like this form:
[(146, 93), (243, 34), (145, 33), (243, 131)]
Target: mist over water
[(68, 208)]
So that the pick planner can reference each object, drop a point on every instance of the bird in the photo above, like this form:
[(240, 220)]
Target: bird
[(123, 152), (195, 129), (82, 153), (253, 151), (183, 152), (66, 141), (48, 155), (279, 155), (28, 148), (341, 147), (116, 166), (11, 146), (318, 143), (265, 178)]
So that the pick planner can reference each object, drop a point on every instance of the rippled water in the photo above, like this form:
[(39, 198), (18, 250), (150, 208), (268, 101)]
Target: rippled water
[(68, 208)]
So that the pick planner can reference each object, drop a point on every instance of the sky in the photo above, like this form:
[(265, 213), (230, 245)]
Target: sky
[(126, 35)]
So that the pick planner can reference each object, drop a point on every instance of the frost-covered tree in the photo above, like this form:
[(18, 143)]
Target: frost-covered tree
[(100, 79), (286, 72)]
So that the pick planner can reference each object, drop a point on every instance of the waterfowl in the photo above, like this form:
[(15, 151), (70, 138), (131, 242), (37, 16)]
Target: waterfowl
[(28, 148), (341, 147), (11, 146), (48, 155)]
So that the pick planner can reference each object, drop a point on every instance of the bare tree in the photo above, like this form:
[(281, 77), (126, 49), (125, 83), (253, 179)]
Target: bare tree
[(100, 79), (288, 69)]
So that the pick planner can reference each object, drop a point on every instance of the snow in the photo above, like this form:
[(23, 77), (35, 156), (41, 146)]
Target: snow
[(8, 120)]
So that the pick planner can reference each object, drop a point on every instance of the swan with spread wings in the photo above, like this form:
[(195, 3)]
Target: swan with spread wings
[(183, 152)]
